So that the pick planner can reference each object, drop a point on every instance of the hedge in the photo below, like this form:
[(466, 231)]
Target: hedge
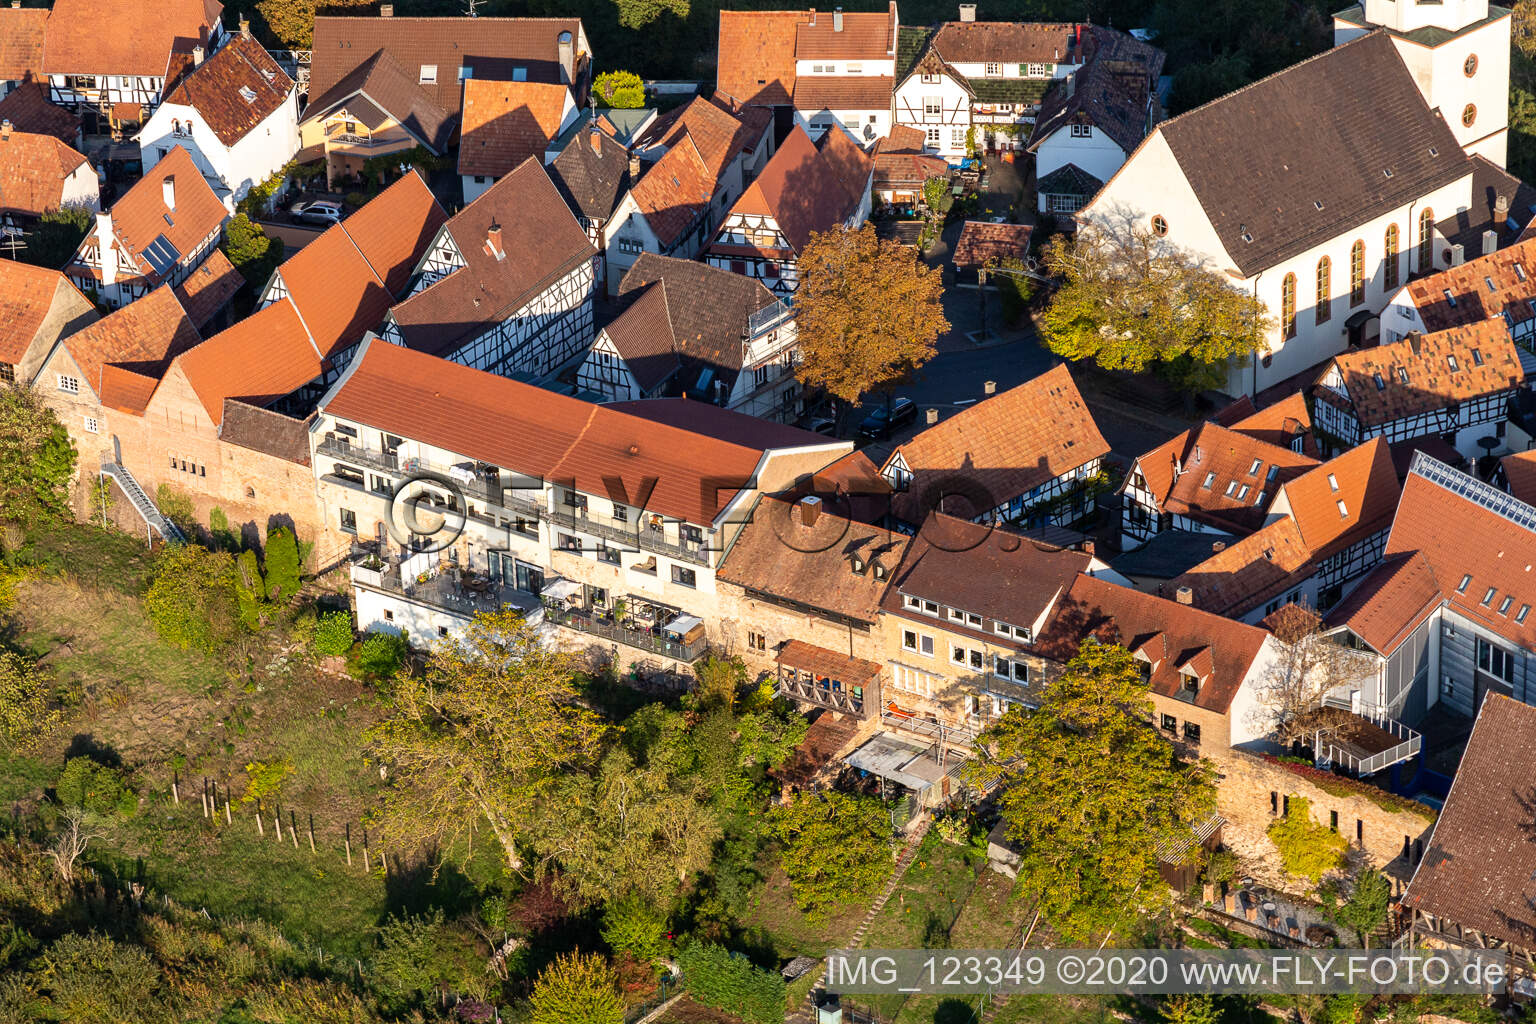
[(725, 981)]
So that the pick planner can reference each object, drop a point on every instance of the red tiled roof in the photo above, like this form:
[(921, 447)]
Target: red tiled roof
[(542, 243), (505, 123), (1363, 480), (1501, 282), (868, 35), (707, 418), (1388, 605), (1000, 448), (218, 89), (394, 228), (1209, 473), (1486, 362), (26, 297), (806, 189), (1472, 549), (126, 390), (720, 135), (827, 664), (1520, 475), (143, 337), (123, 37), (540, 433), (21, 43), (141, 216), (1476, 872), (378, 91), (980, 42), (28, 109), (33, 170), (675, 192), (756, 59), (981, 241), (843, 92), (1171, 633), (1277, 424), (209, 288), (1248, 572), (259, 360)]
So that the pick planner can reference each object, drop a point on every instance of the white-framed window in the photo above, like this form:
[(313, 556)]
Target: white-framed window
[(69, 385), (927, 79), (1058, 203), (933, 136), (957, 138), (933, 106), (1038, 70), (993, 70), (91, 426), (428, 75), (917, 643), (630, 247), (1082, 131), (855, 69), (957, 655)]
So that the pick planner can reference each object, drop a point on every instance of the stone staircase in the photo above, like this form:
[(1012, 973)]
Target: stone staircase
[(903, 861), (141, 502)]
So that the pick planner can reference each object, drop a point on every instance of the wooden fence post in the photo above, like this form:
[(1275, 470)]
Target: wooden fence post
[(175, 788), (229, 818), (347, 838), (366, 865), (277, 823), (292, 832), (261, 828), (311, 834), (205, 796)]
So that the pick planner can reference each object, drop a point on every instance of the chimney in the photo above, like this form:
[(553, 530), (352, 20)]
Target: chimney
[(493, 242), (386, 10), (596, 141), (197, 55), (1071, 86), (1413, 341), (989, 387), (1088, 548), (809, 509), (1490, 242), (15, 5), (106, 243), (837, 19), (5, 129), (967, 12), (245, 27), (168, 191), (1184, 595), (634, 168), (1458, 254), (567, 49), (1218, 546), (1501, 207), (931, 416)]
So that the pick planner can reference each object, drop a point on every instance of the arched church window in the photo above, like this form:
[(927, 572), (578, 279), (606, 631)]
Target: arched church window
[(1389, 268), (1288, 307), (1324, 290), (1426, 239), (1357, 273)]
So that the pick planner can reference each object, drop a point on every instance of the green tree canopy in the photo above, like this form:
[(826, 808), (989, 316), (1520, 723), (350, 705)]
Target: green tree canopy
[(37, 460), (577, 989), (57, 236), (869, 312), (283, 575), (620, 89), (836, 848), (1090, 790), (640, 13), (192, 599), (485, 734), (251, 250), (1131, 301), (1364, 908), (27, 704)]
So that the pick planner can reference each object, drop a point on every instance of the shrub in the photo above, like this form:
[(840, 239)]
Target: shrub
[(1307, 849), (96, 788), (333, 636), (635, 926), (416, 954), (251, 250), (191, 598), (56, 236), (1014, 289), (937, 196), (250, 591), (619, 89), (283, 575), (37, 460), (26, 710), (265, 778), (577, 989), (378, 657), (728, 981), (90, 978)]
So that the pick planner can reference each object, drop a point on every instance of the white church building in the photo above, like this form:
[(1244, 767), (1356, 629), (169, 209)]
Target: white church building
[(1322, 188)]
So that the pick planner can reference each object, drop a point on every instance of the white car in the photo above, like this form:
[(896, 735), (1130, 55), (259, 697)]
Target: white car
[(321, 212)]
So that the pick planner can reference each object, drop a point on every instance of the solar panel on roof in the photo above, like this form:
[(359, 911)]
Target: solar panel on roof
[(161, 255)]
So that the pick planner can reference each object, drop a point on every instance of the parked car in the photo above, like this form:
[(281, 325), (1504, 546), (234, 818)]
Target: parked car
[(320, 212), (822, 425), (877, 426)]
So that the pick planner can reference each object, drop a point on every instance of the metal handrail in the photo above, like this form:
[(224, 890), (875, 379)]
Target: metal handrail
[(585, 622)]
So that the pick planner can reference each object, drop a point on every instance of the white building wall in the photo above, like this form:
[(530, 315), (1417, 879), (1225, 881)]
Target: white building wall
[(629, 234), (910, 101), (254, 158), (1440, 73), (82, 188), (1095, 153)]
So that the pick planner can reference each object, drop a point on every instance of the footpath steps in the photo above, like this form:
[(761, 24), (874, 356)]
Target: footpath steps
[(903, 861), (142, 503)]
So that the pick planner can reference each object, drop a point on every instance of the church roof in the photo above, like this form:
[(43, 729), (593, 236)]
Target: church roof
[(1295, 159)]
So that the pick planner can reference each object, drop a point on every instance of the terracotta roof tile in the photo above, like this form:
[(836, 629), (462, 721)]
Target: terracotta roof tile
[(592, 180), (1248, 572), (540, 238), (826, 664), (1116, 614), (756, 59), (495, 48), (1489, 286), (505, 123), (380, 89), (864, 35), (852, 487), (1476, 872), (1475, 541), (265, 431), (539, 433), (721, 136), (26, 297), (643, 336), (997, 42), (777, 554), (722, 424), (1350, 114), (123, 37), (127, 390), (394, 228), (981, 241), (234, 90), (21, 43), (33, 170), (28, 109), (1388, 605), (209, 288), (141, 215), (143, 336), (1000, 448), (707, 308), (806, 189), (259, 360), (843, 92), (1277, 424), (674, 193), (1424, 373), (1520, 475), (1209, 473), (1362, 480), (983, 569)]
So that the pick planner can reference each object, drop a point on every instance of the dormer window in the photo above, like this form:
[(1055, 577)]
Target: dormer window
[(1210, 478), (860, 567), (1189, 683), (1488, 597), (1402, 374), (881, 572), (1381, 385), (1477, 356), (1451, 362)]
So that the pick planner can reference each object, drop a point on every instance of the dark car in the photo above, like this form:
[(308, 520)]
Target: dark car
[(877, 426)]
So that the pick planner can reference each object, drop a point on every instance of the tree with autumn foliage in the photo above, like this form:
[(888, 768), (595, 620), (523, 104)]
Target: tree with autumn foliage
[(1090, 790), (1132, 301), (483, 737), (868, 312), (292, 22)]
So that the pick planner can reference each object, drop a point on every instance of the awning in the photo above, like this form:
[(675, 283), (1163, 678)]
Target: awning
[(561, 589), (683, 623), (464, 472), (901, 762), (825, 664)]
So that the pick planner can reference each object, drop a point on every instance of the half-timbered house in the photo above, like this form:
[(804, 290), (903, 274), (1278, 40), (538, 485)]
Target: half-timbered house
[(592, 174), (506, 285), (1455, 384), (1500, 284), (42, 306)]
